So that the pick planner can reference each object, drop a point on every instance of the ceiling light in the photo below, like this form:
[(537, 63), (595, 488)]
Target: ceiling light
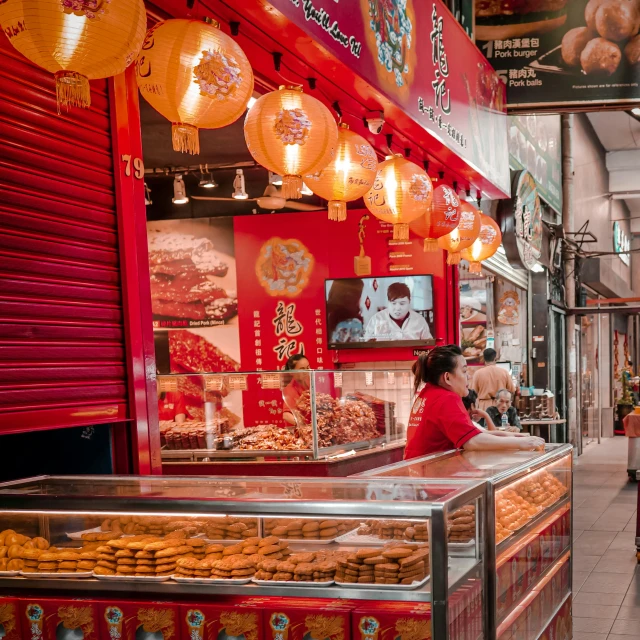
[(636, 111), (179, 191), (274, 178), (206, 179), (147, 194), (305, 191), (537, 268), (251, 102), (501, 250), (239, 192)]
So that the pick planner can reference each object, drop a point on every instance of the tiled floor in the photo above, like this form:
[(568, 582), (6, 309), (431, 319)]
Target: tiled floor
[(606, 576)]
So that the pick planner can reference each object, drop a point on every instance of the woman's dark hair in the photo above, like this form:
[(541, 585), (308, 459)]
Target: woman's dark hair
[(343, 302), (469, 399), (290, 365), (430, 366)]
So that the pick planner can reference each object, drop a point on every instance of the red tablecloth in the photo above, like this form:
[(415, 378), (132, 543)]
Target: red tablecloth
[(631, 424)]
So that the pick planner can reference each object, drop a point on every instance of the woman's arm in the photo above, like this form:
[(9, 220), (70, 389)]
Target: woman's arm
[(288, 417), (506, 442)]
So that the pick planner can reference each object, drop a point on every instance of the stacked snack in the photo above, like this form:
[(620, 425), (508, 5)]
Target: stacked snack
[(231, 528), (59, 561), (462, 524), (238, 561), (301, 567), (394, 564), (12, 547), (269, 438), (303, 529), (395, 530)]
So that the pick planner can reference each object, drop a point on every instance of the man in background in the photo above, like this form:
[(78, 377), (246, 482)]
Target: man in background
[(398, 321), (488, 380), (504, 407)]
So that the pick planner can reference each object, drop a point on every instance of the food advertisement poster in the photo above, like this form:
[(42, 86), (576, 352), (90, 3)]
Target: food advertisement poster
[(473, 318), (534, 144), (454, 94), (561, 53)]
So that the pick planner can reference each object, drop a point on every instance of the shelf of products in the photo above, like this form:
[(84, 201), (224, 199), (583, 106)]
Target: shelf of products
[(304, 415)]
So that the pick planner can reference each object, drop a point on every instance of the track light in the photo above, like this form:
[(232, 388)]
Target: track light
[(239, 192), (275, 179), (305, 191), (147, 194), (251, 102), (206, 179), (179, 191)]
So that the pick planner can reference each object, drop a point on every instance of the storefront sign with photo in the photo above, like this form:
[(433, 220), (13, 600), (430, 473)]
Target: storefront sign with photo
[(534, 144), (563, 54), (382, 43), (520, 221)]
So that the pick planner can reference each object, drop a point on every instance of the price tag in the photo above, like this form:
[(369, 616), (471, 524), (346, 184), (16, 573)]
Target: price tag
[(368, 378), (270, 381), (167, 385), (337, 379), (391, 378), (237, 382), (213, 383)]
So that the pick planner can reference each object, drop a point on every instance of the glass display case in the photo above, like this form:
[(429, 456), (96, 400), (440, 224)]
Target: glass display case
[(349, 539), (529, 540), (302, 415)]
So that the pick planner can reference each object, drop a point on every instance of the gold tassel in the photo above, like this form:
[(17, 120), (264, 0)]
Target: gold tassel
[(475, 267), (401, 231), (291, 187), (453, 258), (185, 138), (430, 245), (337, 210), (72, 90)]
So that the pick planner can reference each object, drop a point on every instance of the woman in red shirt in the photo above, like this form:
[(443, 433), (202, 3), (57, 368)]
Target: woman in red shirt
[(439, 421), (298, 384), (171, 406)]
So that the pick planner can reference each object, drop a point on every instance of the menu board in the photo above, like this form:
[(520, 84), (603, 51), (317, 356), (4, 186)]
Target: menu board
[(556, 54)]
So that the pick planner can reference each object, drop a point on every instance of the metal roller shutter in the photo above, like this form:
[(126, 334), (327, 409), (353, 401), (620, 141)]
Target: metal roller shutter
[(62, 340)]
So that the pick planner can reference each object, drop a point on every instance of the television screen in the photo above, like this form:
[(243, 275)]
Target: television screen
[(395, 311)]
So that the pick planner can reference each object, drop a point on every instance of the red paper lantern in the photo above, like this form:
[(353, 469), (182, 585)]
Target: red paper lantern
[(463, 236), (485, 245), (441, 218)]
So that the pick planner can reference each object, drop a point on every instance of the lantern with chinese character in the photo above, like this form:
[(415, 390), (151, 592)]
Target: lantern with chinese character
[(291, 134), (348, 176), (441, 218), (76, 40), (196, 76), (485, 245), (401, 193), (463, 235)]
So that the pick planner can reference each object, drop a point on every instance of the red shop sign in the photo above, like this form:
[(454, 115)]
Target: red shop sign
[(421, 60)]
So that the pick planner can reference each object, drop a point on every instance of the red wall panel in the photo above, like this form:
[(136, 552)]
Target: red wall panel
[(62, 335)]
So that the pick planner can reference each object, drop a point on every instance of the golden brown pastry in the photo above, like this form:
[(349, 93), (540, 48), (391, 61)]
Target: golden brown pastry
[(600, 57), (573, 43)]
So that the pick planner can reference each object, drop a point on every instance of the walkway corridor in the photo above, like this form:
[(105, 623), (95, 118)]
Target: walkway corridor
[(606, 576)]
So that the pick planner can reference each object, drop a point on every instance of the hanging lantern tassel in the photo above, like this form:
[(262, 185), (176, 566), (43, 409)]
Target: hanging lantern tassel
[(185, 138), (475, 267), (291, 187), (453, 258), (337, 210), (401, 231), (72, 90), (430, 244)]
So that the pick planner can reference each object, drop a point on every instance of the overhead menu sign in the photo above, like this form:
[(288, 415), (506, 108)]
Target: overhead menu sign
[(555, 54)]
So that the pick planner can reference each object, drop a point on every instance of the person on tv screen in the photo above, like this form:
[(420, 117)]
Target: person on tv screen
[(398, 321)]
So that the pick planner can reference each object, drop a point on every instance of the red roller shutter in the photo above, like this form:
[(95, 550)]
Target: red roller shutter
[(62, 340)]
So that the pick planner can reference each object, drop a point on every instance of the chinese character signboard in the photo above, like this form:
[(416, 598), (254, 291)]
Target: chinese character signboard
[(521, 222), (534, 145), (453, 94), (564, 53)]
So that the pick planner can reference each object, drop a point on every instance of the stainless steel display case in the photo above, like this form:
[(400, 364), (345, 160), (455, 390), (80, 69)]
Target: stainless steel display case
[(295, 415), (54, 507), (550, 527)]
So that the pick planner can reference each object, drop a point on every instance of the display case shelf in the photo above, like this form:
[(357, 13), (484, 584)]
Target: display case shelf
[(547, 515)]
